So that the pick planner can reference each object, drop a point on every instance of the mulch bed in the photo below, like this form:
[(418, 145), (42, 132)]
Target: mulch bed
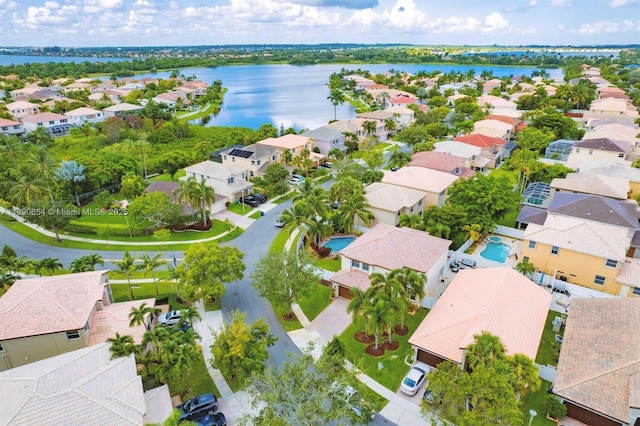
[(289, 317), (401, 330), (390, 346), (362, 337), (371, 350)]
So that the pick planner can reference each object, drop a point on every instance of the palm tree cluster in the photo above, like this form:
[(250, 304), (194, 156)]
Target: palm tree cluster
[(387, 301), (196, 194), (171, 350), (86, 263), (130, 264)]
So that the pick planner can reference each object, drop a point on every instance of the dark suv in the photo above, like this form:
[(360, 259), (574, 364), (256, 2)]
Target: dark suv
[(250, 201), (260, 197), (198, 406)]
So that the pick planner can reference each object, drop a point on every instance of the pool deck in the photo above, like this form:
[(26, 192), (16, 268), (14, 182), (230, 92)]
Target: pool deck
[(515, 246)]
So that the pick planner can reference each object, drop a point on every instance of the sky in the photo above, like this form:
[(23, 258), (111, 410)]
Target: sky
[(86, 23)]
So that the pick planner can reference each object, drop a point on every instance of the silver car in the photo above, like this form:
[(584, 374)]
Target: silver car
[(415, 378)]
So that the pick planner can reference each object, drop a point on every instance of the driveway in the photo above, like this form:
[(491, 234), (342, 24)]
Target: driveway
[(333, 320)]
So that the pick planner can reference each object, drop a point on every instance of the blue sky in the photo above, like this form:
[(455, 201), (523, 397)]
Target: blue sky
[(423, 22)]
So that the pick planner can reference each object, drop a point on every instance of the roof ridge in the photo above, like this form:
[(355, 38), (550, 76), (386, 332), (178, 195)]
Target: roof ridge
[(63, 309), (595, 376)]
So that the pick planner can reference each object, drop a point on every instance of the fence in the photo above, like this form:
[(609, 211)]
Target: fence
[(509, 232)]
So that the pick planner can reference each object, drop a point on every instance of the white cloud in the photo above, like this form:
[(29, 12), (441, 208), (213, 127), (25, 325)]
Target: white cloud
[(405, 14), (51, 5), (99, 6), (533, 3), (560, 3), (619, 3), (608, 27), (495, 21)]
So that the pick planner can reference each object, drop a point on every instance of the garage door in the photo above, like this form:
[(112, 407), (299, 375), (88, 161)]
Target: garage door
[(344, 292), (429, 358), (588, 417)]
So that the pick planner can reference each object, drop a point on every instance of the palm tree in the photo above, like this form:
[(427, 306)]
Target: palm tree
[(43, 165), (472, 231), (185, 192), (369, 127), (51, 264), (413, 221), (182, 362), (395, 307), (189, 314), (13, 147), (378, 316), (356, 207), (26, 187), (296, 217), (390, 125), (91, 260), (337, 98), (358, 305), (205, 196), (127, 266), (527, 379), (319, 228), (35, 265), (121, 346), (411, 281), (78, 265), (485, 349), (150, 264), (437, 229), (526, 268), (138, 316)]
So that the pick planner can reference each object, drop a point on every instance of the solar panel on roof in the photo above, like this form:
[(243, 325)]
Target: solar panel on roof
[(240, 153)]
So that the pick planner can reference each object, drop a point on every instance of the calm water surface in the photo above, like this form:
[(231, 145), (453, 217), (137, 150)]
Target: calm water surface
[(292, 96)]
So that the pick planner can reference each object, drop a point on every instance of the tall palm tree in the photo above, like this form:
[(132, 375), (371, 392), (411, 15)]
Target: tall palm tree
[(378, 315), (13, 147), (337, 98), (413, 221), (25, 186), (78, 265), (296, 217), (395, 307), (358, 305), (390, 125), (92, 260), (472, 231), (51, 264), (35, 265), (412, 282), (485, 349), (150, 264), (138, 316), (369, 127), (527, 379), (205, 196), (356, 207), (44, 166), (121, 346), (127, 266), (185, 192), (190, 313)]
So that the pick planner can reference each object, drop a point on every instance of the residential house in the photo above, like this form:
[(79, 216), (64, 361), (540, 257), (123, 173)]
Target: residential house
[(47, 316), (612, 107), (491, 147), (401, 101), (83, 387), (442, 162), (613, 169), (615, 131), (579, 251), (83, 115), (611, 92), (488, 86), (388, 202), (20, 109), (171, 99), (121, 110), (431, 182), (78, 86), (227, 181), (379, 117), (11, 128), (347, 127), (384, 248), (499, 300), (56, 124), (494, 128), (594, 183), (600, 149), (170, 188), (25, 92), (593, 122), (499, 106), (471, 154), (253, 158), (404, 116), (326, 139), (559, 150), (599, 364), (295, 144)]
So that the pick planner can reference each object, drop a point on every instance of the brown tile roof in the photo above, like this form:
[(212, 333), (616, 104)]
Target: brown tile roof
[(437, 161), (49, 304), (114, 319), (352, 278), (603, 144), (599, 363), (393, 248), (498, 300)]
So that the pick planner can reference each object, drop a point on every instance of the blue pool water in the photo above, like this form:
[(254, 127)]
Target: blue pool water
[(496, 252), (338, 243)]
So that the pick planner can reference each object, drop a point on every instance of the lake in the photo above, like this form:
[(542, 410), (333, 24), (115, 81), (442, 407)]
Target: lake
[(292, 96)]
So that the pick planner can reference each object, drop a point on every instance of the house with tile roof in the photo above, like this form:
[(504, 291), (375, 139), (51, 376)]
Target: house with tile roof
[(471, 154), (326, 139), (230, 182), (47, 316), (599, 149), (488, 86), (253, 158), (82, 115), (379, 117), (122, 109), (494, 128), (595, 184), (612, 107), (295, 144), (499, 300), (442, 162), (11, 128), (579, 251), (55, 124), (384, 248), (389, 202), (498, 105), (613, 169), (82, 387), (599, 364), (433, 183), (404, 116), (491, 147), (611, 92), (20, 109)]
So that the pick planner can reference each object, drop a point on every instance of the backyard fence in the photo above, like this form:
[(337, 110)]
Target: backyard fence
[(509, 232)]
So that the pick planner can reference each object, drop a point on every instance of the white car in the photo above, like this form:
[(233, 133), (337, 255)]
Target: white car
[(279, 222), (170, 318), (415, 378)]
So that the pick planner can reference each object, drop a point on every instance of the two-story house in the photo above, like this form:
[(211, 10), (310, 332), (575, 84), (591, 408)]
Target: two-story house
[(231, 183), (441, 162), (379, 117), (326, 139), (600, 149), (389, 202), (56, 124), (432, 183), (47, 316), (494, 128), (384, 248), (295, 145), (121, 110), (253, 158), (83, 115), (472, 155), (491, 147), (20, 109), (11, 128)]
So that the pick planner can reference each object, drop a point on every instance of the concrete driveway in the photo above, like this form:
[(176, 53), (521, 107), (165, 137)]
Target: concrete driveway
[(333, 320)]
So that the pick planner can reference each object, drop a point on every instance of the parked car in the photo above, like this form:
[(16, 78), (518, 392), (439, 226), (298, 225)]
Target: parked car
[(415, 378), (198, 406), (215, 419), (170, 318), (279, 222), (327, 165), (295, 181), (429, 396), (354, 401), (260, 197), (468, 262), (250, 201)]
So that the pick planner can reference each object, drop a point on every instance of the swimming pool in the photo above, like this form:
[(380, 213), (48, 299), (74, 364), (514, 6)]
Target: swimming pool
[(338, 243), (497, 252)]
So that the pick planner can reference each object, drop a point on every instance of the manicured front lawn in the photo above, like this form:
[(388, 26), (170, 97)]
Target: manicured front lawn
[(240, 209), (287, 325), (535, 401), (393, 365), (117, 275), (285, 197), (545, 350), (356, 154), (147, 291), (315, 303), (199, 381)]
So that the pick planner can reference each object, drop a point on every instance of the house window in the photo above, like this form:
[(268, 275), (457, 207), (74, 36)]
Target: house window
[(600, 280), (233, 158), (39, 124), (554, 250), (525, 259), (420, 202), (355, 263), (273, 158), (64, 120), (636, 291), (621, 155), (5, 128), (2, 348), (365, 266), (86, 328), (610, 263), (590, 151), (532, 245), (73, 335), (52, 122), (253, 162), (258, 162), (230, 180), (577, 150), (251, 172), (398, 213), (224, 157)]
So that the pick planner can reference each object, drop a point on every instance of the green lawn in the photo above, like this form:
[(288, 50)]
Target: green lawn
[(146, 291), (199, 381), (316, 301), (167, 178), (285, 197), (117, 275), (217, 228), (383, 145), (545, 350), (332, 265), (256, 215), (241, 209), (378, 402), (279, 241), (535, 401), (509, 219), (288, 325), (357, 154), (392, 362), (505, 172)]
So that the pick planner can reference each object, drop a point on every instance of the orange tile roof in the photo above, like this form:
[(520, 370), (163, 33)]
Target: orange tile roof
[(49, 304), (599, 365), (393, 248), (114, 319), (352, 278), (479, 140), (436, 161), (498, 300)]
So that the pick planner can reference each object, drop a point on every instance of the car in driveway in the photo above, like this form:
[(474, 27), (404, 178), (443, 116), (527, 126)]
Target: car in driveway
[(260, 197), (250, 200), (170, 318), (198, 406), (415, 378), (215, 419)]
